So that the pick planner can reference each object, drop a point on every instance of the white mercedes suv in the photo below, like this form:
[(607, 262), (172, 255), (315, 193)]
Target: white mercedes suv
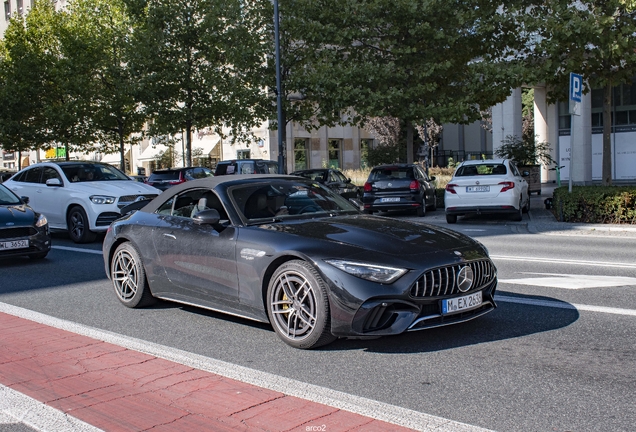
[(82, 197)]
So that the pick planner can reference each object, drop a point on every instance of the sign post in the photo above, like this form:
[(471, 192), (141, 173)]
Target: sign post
[(576, 94)]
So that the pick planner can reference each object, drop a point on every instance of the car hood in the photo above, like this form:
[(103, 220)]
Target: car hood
[(378, 234), (16, 215), (114, 188)]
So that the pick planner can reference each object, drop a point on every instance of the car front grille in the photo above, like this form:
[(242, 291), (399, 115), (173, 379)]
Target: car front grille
[(105, 219), (129, 199), (7, 233), (442, 281)]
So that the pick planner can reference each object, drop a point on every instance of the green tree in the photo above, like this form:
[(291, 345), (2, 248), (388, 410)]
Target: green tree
[(200, 64), (594, 38), (96, 38), (412, 60)]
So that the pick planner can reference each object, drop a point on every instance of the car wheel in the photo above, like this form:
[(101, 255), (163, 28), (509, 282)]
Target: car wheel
[(77, 223), (433, 206), (421, 210), (518, 215), (526, 208), (129, 277), (451, 219), (298, 307), (39, 256)]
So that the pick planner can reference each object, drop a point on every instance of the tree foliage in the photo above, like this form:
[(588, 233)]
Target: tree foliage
[(595, 38)]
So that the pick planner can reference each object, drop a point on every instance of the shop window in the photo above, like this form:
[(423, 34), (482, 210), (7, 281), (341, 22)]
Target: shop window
[(301, 154), (334, 153)]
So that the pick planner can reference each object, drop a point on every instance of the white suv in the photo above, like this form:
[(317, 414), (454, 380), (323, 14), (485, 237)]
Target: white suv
[(79, 196)]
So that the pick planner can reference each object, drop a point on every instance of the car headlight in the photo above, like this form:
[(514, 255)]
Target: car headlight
[(41, 221), (101, 199), (371, 272)]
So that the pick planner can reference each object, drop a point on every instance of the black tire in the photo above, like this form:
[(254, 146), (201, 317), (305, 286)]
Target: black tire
[(129, 277), (451, 219), (518, 215), (78, 226), (296, 285), (39, 255), (433, 206), (421, 210), (526, 208)]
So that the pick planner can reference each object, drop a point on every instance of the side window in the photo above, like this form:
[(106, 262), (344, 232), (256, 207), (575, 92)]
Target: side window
[(20, 177), (515, 171), (247, 168), (33, 175), (50, 173), (166, 208), (333, 177), (185, 203)]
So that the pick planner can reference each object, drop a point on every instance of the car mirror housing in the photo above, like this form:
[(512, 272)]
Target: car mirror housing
[(53, 182), (525, 174), (432, 178), (25, 199), (207, 217)]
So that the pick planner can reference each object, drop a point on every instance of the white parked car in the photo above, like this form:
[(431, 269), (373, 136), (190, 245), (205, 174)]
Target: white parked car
[(79, 196), (487, 186)]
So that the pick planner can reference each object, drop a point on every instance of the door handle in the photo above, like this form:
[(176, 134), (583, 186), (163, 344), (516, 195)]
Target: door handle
[(172, 236)]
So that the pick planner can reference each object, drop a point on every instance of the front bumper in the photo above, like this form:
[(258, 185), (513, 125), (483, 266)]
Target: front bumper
[(39, 242)]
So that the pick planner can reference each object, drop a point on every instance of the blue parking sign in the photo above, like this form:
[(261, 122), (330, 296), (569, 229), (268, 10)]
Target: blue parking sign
[(576, 87)]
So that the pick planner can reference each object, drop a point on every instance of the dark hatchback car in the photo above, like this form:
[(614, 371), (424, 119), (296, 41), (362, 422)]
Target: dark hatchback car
[(23, 232), (399, 187), (246, 166), (288, 251), (165, 178), (334, 180)]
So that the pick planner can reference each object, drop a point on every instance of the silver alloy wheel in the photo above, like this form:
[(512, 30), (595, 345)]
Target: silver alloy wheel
[(293, 305), (125, 275)]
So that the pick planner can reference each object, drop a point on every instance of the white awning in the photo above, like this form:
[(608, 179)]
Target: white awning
[(152, 152), (207, 143), (113, 157)]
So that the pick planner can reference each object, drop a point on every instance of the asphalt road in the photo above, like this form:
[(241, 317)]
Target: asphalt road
[(558, 354)]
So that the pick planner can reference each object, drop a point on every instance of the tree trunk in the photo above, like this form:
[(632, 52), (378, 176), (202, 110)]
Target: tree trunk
[(607, 135), (409, 143), (188, 149)]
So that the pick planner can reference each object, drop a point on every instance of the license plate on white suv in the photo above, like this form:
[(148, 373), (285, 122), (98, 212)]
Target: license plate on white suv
[(17, 244), (477, 188), (460, 304)]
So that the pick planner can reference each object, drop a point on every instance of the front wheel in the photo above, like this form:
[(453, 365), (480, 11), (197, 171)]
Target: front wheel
[(78, 226), (129, 277), (518, 215), (298, 307)]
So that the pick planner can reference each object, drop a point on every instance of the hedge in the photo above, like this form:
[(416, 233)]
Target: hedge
[(595, 204)]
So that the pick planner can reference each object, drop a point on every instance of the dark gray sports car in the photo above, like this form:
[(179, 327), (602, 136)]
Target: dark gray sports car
[(288, 251)]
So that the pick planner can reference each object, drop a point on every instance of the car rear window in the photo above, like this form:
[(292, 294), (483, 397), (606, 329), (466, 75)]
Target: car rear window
[(164, 175), (392, 173), (481, 169)]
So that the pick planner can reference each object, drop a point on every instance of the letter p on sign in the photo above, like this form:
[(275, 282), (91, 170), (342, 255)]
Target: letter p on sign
[(576, 87)]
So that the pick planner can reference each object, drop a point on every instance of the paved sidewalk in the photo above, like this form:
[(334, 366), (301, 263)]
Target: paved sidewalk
[(94, 380)]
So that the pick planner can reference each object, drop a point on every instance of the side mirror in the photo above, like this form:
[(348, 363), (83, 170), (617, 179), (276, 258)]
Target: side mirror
[(207, 217), (348, 180), (356, 202), (432, 178), (54, 182), (25, 199), (525, 174)]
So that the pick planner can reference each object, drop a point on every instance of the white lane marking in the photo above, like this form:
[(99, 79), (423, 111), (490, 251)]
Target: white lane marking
[(17, 408), (570, 281), (73, 249), (322, 395), (473, 230), (565, 261), (564, 305)]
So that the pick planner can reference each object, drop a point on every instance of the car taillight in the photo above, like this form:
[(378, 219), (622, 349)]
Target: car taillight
[(507, 186), (414, 185), (451, 188), (367, 187), (176, 182)]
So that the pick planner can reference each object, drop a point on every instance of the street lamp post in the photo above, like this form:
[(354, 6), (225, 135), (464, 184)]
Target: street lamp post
[(279, 96)]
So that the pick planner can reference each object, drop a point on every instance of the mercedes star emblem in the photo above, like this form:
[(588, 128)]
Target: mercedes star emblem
[(465, 278)]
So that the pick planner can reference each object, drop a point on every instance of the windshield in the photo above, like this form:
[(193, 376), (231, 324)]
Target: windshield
[(7, 197), (287, 199), (92, 172)]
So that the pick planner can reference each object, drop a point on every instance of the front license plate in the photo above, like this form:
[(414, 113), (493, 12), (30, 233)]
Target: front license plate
[(390, 200), (17, 244), (459, 304), (477, 188)]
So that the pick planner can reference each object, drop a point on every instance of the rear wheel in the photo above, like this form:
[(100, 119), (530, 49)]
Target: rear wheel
[(526, 208), (298, 306), (451, 219), (421, 210), (433, 206), (518, 215), (78, 226), (129, 277)]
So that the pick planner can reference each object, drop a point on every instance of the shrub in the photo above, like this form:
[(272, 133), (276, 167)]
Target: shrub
[(595, 204)]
